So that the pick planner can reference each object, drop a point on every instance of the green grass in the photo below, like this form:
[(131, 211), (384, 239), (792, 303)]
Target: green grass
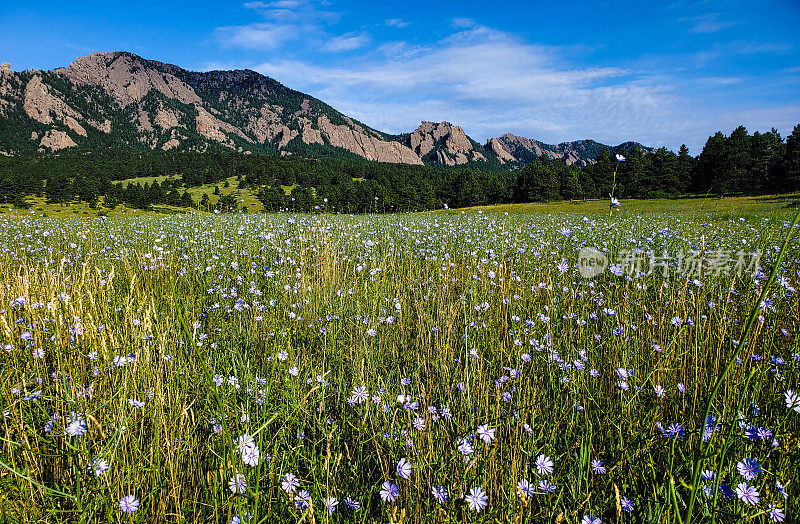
[(149, 179), (470, 306), (719, 208), (40, 208), (245, 197)]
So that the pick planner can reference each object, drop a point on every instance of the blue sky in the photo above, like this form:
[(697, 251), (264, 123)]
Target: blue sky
[(664, 73)]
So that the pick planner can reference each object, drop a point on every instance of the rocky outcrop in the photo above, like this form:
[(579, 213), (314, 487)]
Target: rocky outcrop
[(55, 140), (165, 118), (260, 118), (526, 149), (172, 143), (444, 142), (8, 88), (215, 129), (75, 126), (503, 156), (127, 78), (368, 146), (310, 134), (41, 105), (142, 122), (266, 125), (579, 152)]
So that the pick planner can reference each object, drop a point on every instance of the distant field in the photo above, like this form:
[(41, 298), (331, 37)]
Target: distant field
[(717, 207), (40, 208)]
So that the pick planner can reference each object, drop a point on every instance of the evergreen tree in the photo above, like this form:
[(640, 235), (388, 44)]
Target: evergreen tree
[(684, 168), (571, 184), (631, 174), (736, 168), (766, 159), (603, 172), (58, 187), (662, 173), (228, 203), (711, 164), (791, 162), (272, 198)]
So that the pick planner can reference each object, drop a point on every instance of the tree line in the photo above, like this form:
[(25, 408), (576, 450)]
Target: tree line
[(737, 163)]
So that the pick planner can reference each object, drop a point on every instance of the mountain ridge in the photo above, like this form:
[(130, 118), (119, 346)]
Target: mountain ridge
[(119, 99)]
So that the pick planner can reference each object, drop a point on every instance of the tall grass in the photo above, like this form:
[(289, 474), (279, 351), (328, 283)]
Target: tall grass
[(266, 326)]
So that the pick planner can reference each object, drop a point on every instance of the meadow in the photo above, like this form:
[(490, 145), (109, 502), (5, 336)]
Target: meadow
[(434, 367)]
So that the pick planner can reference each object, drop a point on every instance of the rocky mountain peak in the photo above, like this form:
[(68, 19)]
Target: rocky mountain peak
[(444, 143), (579, 152), (119, 99), (127, 78), (498, 148)]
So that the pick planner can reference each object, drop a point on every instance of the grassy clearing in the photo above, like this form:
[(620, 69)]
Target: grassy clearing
[(716, 208), (40, 208), (245, 197), (199, 364)]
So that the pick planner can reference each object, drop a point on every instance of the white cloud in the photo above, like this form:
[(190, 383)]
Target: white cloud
[(346, 42), (744, 47), (489, 82), (463, 22), (260, 36), (709, 23), (300, 11), (396, 22), (720, 80), (280, 4)]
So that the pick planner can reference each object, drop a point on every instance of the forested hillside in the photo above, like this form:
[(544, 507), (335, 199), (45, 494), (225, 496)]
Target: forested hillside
[(738, 163)]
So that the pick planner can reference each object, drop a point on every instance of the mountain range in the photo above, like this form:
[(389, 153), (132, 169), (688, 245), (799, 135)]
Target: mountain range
[(120, 100)]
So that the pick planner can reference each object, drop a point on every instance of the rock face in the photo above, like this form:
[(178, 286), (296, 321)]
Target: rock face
[(41, 105), (444, 143), (126, 78), (358, 140), (55, 140), (122, 100), (503, 155), (9, 89)]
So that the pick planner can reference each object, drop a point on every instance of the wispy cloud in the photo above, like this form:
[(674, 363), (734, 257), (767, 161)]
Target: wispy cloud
[(396, 22), (490, 82), (346, 42), (709, 23), (280, 4), (285, 21), (746, 47), (261, 36), (720, 80), (305, 11), (463, 22)]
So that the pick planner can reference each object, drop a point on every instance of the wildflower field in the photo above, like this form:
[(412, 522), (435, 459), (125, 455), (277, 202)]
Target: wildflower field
[(439, 367)]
